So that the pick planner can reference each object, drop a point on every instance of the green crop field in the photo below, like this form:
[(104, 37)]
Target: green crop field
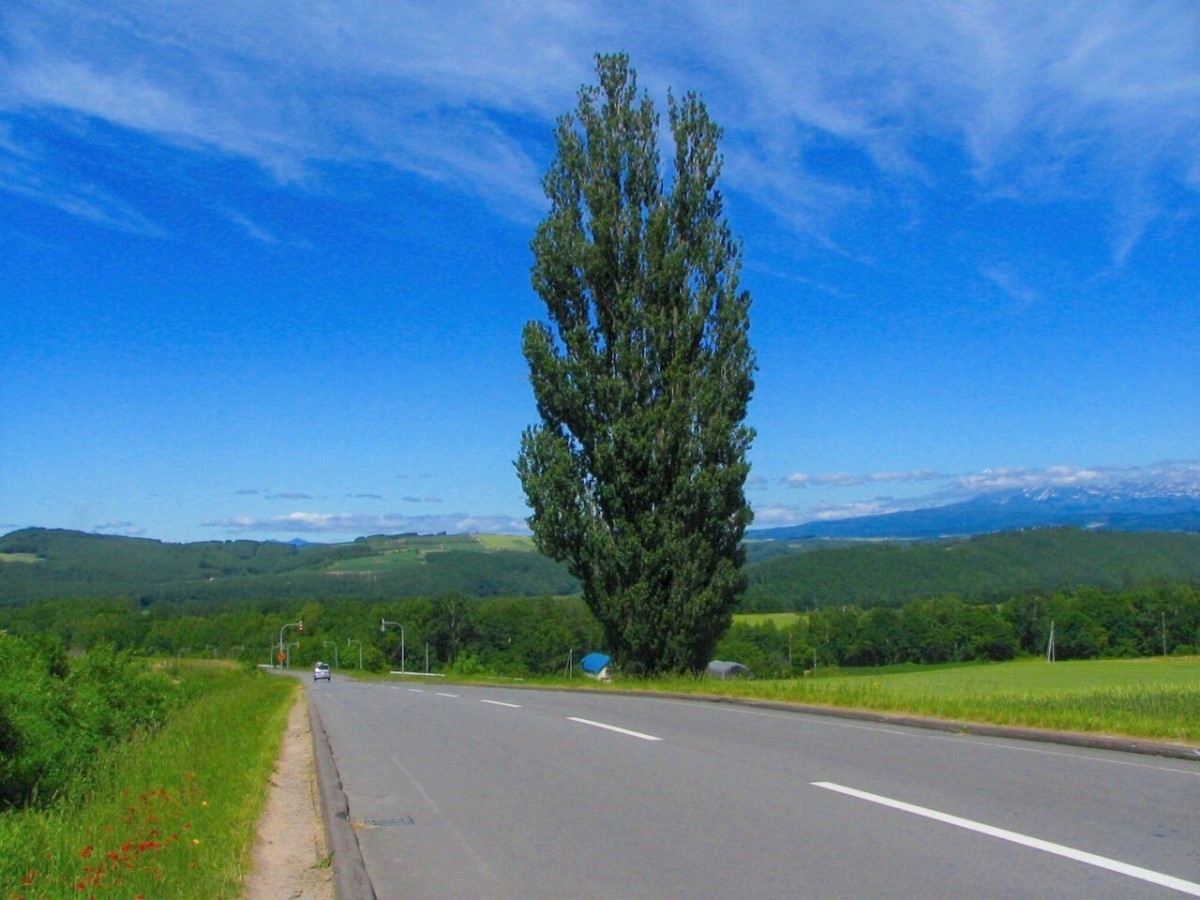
[(1149, 698), (19, 558), (781, 620), (384, 562), (520, 542), (1145, 698)]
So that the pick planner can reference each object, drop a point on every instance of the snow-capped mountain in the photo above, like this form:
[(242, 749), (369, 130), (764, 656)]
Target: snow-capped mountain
[(1120, 507)]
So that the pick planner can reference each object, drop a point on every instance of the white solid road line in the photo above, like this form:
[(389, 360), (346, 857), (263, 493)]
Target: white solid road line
[(1091, 859), (502, 703), (440, 694), (636, 734)]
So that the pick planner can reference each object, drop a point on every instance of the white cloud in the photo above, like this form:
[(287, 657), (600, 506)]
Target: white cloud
[(124, 527), (1184, 475), (1170, 475), (845, 479), (361, 524)]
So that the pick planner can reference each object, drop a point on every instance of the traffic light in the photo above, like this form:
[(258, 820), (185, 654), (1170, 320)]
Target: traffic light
[(302, 628)]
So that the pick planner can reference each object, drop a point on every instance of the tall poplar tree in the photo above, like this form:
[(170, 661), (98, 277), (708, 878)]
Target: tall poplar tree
[(642, 378)]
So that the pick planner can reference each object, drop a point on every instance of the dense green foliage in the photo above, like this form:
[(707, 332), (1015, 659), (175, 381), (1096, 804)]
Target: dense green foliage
[(636, 469), (985, 568), (59, 716), (516, 636), (1088, 623)]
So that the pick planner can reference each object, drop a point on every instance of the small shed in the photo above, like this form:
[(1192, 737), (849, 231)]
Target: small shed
[(723, 670), (596, 665)]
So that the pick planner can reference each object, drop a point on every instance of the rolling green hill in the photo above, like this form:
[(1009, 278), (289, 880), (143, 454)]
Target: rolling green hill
[(37, 564), (980, 568)]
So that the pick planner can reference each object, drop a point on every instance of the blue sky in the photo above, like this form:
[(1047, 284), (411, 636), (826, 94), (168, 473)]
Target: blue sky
[(266, 264)]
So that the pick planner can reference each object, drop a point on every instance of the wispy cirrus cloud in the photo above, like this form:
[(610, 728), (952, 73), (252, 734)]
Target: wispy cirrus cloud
[(1038, 102)]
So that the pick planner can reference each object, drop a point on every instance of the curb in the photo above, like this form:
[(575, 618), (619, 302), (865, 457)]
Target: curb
[(350, 879)]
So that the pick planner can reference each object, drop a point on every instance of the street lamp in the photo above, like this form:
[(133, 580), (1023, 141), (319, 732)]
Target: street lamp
[(299, 625), (288, 654), (383, 623), (350, 641)]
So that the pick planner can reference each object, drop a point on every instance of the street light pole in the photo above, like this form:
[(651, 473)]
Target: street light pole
[(350, 641), (299, 625), (335, 656), (383, 623)]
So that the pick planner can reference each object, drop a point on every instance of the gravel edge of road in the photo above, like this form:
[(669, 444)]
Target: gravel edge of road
[(350, 878)]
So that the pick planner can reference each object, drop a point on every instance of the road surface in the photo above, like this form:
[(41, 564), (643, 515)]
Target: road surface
[(489, 792)]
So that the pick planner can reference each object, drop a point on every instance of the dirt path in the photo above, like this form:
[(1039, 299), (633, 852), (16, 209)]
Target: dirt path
[(290, 859)]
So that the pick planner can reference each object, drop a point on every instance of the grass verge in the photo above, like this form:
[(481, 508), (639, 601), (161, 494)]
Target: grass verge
[(169, 816)]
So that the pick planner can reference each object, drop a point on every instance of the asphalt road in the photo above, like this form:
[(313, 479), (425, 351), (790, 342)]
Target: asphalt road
[(488, 792)]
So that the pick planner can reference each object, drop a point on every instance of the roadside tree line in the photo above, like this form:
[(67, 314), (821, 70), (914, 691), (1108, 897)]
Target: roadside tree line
[(1087, 623), (450, 632)]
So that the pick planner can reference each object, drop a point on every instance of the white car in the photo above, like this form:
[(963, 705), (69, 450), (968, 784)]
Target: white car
[(321, 670)]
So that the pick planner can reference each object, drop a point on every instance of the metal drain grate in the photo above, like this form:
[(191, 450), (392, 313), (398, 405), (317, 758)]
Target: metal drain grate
[(386, 822)]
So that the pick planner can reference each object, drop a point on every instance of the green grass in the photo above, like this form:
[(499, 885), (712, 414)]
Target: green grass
[(1146, 698), (171, 816), (19, 558), (384, 562), (522, 543), (781, 620), (1155, 699), (400, 553)]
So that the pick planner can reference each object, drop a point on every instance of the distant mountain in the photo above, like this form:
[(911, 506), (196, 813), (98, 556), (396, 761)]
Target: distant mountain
[(1127, 507)]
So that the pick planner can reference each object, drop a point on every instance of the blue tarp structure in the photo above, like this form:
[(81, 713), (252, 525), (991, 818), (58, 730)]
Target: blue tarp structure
[(594, 663)]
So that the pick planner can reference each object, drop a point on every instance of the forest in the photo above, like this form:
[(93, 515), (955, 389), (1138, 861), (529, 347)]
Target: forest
[(989, 598)]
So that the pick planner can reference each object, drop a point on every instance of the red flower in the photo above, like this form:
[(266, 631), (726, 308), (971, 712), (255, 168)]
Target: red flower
[(86, 851)]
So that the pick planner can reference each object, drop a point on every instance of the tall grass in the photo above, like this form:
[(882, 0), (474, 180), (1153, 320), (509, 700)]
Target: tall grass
[(169, 816)]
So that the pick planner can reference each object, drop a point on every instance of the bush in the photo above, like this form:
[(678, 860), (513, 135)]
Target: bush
[(53, 727)]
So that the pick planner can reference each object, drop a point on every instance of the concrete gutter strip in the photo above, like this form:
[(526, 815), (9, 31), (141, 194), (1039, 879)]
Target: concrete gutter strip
[(350, 879)]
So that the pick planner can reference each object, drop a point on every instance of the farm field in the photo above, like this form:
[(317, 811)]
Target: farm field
[(19, 558), (1147, 698), (780, 620), (518, 542), (404, 551)]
